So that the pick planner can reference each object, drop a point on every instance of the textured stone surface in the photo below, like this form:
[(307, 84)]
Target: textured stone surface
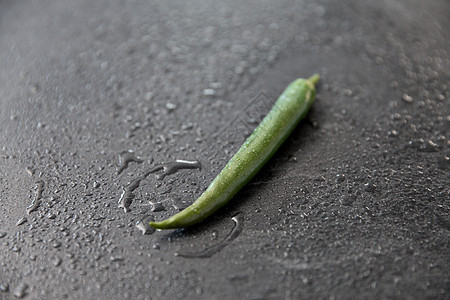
[(355, 205)]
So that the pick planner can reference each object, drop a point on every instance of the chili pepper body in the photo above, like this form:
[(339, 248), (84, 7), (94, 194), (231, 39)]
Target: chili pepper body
[(292, 105)]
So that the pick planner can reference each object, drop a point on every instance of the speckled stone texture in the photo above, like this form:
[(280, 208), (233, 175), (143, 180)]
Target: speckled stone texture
[(355, 205)]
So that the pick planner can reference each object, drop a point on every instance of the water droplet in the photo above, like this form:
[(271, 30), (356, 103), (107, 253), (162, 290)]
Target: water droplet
[(157, 206), (115, 258), (34, 88), (340, 177), (169, 168), (4, 287), (36, 202), (125, 158), (51, 216), (369, 187), (30, 171), (127, 196), (407, 98), (208, 252), (432, 144), (392, 133), (56, 244), (172, 167), (209, 92), (170, 107), (57, 261), (21, 221), (179, 204), (20, 290), (144, 226)]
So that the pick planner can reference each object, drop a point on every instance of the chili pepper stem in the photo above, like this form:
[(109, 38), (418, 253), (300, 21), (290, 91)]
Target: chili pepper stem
[(314, 79)]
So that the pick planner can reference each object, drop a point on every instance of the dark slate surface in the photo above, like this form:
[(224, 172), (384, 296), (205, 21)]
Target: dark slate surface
[(354, 205)]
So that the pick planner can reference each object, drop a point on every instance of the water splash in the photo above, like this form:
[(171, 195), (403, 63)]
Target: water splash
[(172, 167), (208, 252), (144, 225), (37, 198), (157, 206), (125, 158), (169, 168), (127, 196), (21, 221)]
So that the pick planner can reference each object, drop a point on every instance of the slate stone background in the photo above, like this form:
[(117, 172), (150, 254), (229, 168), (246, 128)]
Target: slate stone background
[(354, 205)]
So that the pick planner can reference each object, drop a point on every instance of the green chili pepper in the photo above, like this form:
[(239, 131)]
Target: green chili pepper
[(290, 108)]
